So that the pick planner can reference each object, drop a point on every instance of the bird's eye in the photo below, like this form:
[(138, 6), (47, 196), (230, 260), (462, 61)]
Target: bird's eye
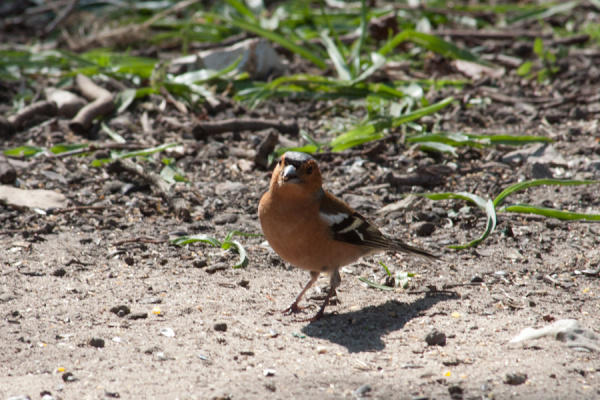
[(309, 170)]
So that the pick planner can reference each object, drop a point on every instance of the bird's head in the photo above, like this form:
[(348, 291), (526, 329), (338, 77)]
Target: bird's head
[(296, 174)]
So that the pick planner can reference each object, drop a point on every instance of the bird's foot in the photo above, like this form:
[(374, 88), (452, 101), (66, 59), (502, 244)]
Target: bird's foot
[(293, 309)]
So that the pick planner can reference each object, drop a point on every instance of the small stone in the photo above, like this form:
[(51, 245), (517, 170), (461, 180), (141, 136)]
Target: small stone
[(451, 363), (220, 327), (272, 333), (229, 187), (140, 315), (112, 394), (121, 311), (243, 283), (68, 377), (435, 338), (60, 272), (200, 263), (270, 387), (515, 378), (97, 342), (456, 392), (247, 352), (128, 260), (362, 390), (476, 279), (7, 172), (424, 228), (216, 267), (168, 332), (269, 372), (225, 218), (321, 349)]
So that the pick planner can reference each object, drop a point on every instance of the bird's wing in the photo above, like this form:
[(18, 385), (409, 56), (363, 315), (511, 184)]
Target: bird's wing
[(348, 226)]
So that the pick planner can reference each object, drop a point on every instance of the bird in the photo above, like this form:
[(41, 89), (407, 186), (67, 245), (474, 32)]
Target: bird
[(312, 229)]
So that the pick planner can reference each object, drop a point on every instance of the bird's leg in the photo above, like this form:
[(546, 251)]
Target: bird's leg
[(334, 283), (293, 308)]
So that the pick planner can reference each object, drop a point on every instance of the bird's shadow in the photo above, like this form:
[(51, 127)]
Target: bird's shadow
[(363, 330)]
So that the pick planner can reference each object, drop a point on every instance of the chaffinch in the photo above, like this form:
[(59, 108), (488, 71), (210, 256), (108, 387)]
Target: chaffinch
[(312, 229)]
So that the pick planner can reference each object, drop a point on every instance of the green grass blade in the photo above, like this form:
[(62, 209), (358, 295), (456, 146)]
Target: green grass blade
[(465, 139), (336, 57), (386, 269), (233, 233), (375, 285), (277, 38), (470, 197), (549, 212), (432, 43), (374, 131), (242, 9), (205, 75), (439, 147), (538, 182), (242, 252), (378, 61), (490, 211), (362, 32), (23, 151), (183, 240), (112, 134), (64, 147), (148, 151)]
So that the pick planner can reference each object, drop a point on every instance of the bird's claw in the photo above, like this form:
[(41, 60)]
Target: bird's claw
[(293, 309)]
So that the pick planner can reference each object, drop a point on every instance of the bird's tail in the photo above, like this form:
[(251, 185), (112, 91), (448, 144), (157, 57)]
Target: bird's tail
[(400, 246)]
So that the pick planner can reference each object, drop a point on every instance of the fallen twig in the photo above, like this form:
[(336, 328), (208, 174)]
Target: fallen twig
[(141, 239), (103, 103), (204, 129), (266, 147), (166, 190), (12, 124)]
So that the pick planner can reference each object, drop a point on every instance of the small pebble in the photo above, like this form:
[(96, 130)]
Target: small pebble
[(243, 283), (270, 387), (168, 332), (435, 338), (321, 349), (362, 390), (121, 311), (140, 315), (220, 327), (456, 392), (112, 394), (60, 272), (424, 228), (272, 333), (68, 377), (269, 372), (515, 378), (97, 342), (476, 279)]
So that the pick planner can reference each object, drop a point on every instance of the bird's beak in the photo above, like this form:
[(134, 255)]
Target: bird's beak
[(290, 174)]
